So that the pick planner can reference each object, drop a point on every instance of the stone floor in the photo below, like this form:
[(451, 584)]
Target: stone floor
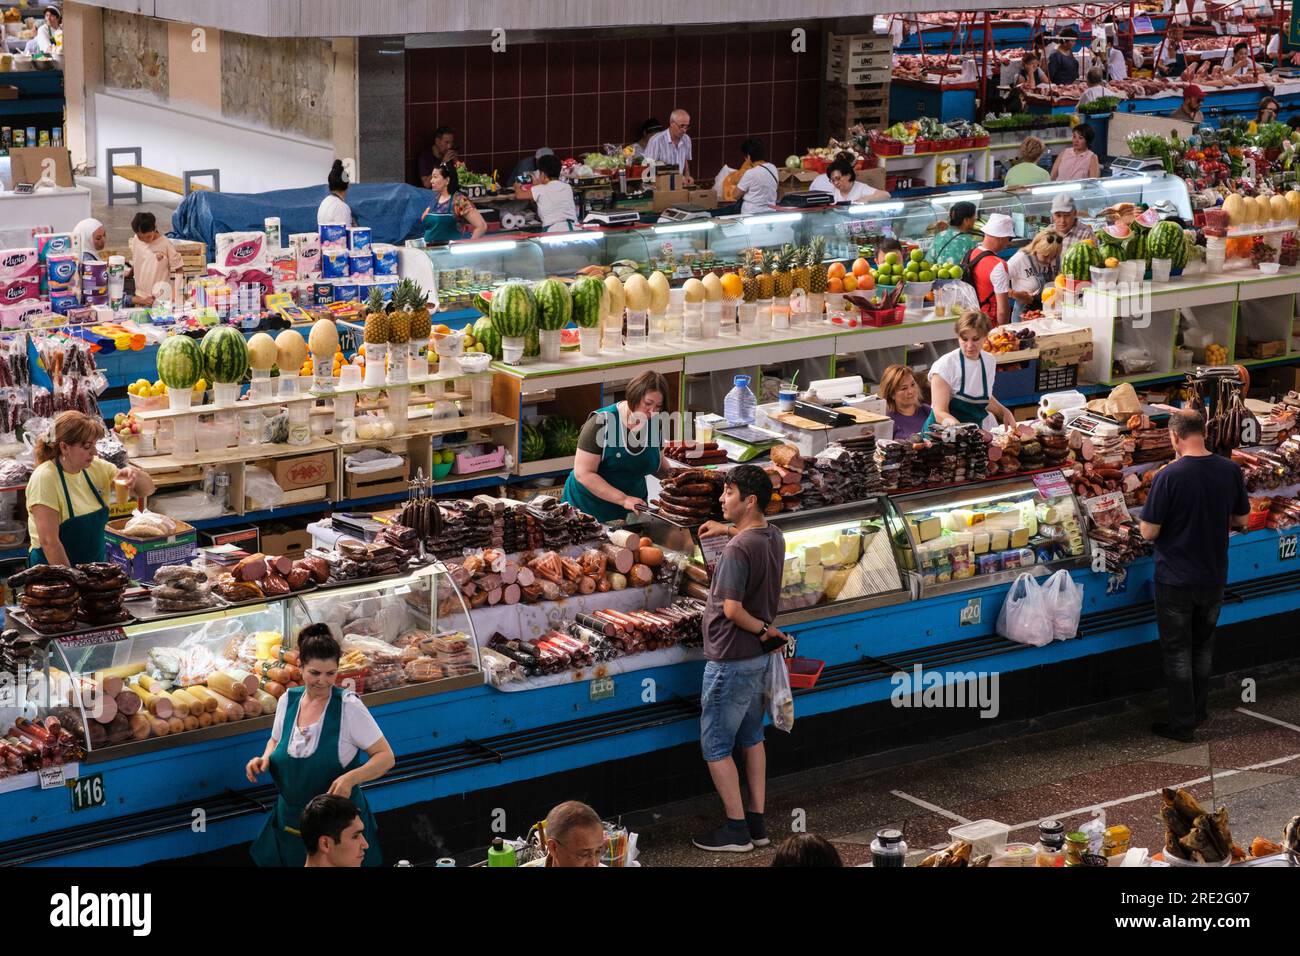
[(117, 218), (1246, 758)]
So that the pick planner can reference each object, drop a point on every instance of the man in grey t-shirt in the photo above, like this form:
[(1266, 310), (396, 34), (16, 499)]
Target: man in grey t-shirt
[(738, 636)]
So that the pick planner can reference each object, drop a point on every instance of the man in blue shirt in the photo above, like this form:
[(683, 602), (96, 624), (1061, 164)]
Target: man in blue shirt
[(1193, 503)]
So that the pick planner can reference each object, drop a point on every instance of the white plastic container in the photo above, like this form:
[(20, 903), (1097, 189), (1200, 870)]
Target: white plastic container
[(512, 349), (984, 836), (550, 345), (1160, 269), (225, 394), (589, 341)]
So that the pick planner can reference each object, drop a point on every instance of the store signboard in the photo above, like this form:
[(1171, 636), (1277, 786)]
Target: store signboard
[(87, 792), (94, 638), (602, 688), (1142, 26)]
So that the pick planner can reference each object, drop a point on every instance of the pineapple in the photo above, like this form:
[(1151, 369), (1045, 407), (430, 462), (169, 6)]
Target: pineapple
[(817, 278), (766, 281), (399, 329), (749, 283), (421, 322), (784, 275), (803, 268), (376, 325)]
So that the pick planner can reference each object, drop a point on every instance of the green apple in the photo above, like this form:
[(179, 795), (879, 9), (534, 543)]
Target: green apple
[(916, 255), (927, 276)]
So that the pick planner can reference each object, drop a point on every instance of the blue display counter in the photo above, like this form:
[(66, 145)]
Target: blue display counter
[(909, 100)]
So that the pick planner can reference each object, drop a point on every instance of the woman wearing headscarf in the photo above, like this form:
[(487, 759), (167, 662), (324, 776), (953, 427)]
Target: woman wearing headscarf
[(91, 239)]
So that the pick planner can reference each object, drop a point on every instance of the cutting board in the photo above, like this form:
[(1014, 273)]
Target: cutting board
[(798, 421)]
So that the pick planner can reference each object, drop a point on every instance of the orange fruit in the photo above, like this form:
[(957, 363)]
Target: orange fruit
[(835, 284), (733, 286), (1060, 282), (866, 282), (836, 270), (861, 267), (850, 283)]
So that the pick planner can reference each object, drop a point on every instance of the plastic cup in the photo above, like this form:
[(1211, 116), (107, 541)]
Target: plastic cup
[(589, 341), (480, 389), (550, 342), (286, 386), (711, 320), (261, 387), (637, 328), (397, 404), (179, 399), (512, 349), (748, 320), (396, 372), (225, 394), (1160, 269), (786, 397), (816, 306)]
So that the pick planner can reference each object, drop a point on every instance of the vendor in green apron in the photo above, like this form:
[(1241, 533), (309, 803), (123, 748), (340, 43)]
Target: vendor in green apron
[(961, 382), (69, 492), (450, 212), (618, 448), (315, 747)]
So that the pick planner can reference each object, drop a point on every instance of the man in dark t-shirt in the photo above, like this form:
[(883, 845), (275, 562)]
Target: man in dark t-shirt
[(738, 639), (1192, 505), (441, 150)]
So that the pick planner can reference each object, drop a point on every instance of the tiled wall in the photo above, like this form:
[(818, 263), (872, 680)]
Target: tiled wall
[(574, 95)]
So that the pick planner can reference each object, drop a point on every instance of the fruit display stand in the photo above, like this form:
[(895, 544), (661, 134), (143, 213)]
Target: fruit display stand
[(977, 160)]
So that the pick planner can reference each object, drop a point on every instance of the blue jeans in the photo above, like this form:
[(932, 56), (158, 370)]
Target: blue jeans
[(1186, 618), (731, 705)]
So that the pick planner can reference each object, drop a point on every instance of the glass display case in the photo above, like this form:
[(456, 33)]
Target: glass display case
[(566, 253), (172, 679), (458, 271), (983, 534)]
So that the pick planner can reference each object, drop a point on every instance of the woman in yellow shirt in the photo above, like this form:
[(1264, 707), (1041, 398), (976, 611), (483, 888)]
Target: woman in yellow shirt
[(68, 492)]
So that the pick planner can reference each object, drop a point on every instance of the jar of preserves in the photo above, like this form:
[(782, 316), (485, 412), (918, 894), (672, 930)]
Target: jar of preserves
[(888, 849), (1050, 849)]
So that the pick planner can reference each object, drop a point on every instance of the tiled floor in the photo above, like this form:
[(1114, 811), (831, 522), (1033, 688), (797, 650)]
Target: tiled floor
[(1240, 761)]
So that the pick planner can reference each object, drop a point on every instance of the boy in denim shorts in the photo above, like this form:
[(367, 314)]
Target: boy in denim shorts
[(738, 636)]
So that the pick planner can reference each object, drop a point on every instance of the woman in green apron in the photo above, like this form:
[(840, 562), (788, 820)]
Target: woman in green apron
[(68, 492), (617, 449), (315, 747), (958, 393), (442, 219)]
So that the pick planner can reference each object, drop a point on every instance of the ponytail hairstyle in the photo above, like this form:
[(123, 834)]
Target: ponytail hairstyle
[(316, 642), (450, 174), (70, 428), (338, 178)]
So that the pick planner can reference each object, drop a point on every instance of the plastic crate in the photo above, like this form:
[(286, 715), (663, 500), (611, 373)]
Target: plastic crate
[(803, 671), (1056, 378), (816, 164), (887, 147), (469, 464), (882, 317)]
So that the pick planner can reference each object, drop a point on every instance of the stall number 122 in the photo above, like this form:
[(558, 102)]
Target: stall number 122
[(1286, 547)]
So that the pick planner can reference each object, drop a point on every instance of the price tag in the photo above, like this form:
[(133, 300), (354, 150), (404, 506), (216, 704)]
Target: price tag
[(94, 638), (970, 614), (909, 149), (1286, 547), (51, 777), (87, 792), (602, 688), (1052, 484)]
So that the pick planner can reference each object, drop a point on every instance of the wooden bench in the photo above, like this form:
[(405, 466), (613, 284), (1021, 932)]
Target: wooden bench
[(143, 176)]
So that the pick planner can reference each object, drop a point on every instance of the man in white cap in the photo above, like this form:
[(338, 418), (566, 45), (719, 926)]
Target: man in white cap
[(987, 271), (1065, 220)]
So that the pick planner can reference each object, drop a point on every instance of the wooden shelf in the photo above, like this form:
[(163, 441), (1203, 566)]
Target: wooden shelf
[(227, 456), (240, 406), (417, 428), (422, 380), (544, 466)]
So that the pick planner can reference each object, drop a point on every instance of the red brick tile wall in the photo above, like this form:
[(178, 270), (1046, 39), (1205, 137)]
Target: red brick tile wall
[(575, 95)]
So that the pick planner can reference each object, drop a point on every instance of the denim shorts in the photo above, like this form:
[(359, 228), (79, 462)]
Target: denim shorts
[(732, 705)]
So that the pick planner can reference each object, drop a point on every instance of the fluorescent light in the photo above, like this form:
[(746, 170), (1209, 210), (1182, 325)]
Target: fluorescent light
[(563, 238), (876, 207), (1122, 181), (772, 219), (683, 227), (955, 197), (1057, 188), (471, 247)]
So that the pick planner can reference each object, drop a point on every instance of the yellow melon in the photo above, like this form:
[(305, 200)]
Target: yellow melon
[(1293, 204), (617, 299), (712, 288), (636, 292), (1278, 208), (1262, 209), (695, 290), (658, 283), (1232, 205), (324, 337)]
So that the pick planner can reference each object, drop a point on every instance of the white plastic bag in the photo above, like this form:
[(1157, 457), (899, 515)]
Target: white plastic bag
[(261, 489), (780, 699), (1025, 617), (1064, 599)]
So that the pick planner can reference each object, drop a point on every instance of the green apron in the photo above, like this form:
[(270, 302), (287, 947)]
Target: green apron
[(82, 536), (968, 409), (299, 779), (624, 469), (440, 226)]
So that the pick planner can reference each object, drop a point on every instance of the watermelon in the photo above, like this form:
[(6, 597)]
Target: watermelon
[(483, 302), (560, 436), (532, 343), (1166, 242), (225, 355), (554, 305), (514, 310), (180, 362), (587, 294), (1078, 262), (569, 339), (486, 335), (1137, 246), (534, 443)]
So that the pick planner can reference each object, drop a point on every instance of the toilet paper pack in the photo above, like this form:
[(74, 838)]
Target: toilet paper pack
[(20, 289), (306, 250), (17, 263), (16, 315), (52, 243), (242, 250)]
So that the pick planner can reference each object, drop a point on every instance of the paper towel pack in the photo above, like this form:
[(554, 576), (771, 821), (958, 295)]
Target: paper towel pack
[(242, 250)]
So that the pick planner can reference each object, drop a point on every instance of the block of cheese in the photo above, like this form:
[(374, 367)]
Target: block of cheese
[(835, 582), (1019, 537), (809, 555), (1003, 520), (927, 529), (813, 576), (981, 543), (951, 521), (850, 548), (1000, 539), (791, 576), (830, 554)]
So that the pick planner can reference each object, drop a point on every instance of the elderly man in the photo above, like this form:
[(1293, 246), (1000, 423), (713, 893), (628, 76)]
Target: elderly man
[(574, 836), (1065, 220), (673, 145), (1190, 110)]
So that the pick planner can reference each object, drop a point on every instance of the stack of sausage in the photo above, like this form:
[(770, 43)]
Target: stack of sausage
[(56, 599), (35, 744), (691, 496), (178, 587), (555, 523), (352, 560), (694, 452), (1054, 441), (259, 575)]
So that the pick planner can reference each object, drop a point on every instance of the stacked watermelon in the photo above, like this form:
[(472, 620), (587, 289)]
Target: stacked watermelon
[(180, 362), (560, 437), (1078, 262), (587, 294), (533, 445), (513, 310), (554, 305), (1166, 241), (486, 335), (225, 355)]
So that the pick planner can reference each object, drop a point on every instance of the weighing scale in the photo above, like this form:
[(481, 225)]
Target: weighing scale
[(746, 442), (685, 213), (807, 200), (608, 218), (1090, 423), (1128, 165)]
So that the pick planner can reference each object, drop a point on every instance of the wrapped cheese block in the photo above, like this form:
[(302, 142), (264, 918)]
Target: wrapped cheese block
[(999, 539), (980, 543)]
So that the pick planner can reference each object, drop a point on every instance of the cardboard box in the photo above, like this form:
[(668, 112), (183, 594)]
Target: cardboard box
[(389, 481), (704, 198), (142, 557), (795, 181), (302, 471), (875, 178), (291, 543), (246, 538), (663, 198)]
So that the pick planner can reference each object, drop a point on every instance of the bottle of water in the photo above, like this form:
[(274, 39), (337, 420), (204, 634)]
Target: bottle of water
[(740, 403)]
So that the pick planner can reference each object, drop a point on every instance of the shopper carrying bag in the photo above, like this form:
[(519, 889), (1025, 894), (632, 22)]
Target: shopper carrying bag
[(1026, 616), (1064, 600)]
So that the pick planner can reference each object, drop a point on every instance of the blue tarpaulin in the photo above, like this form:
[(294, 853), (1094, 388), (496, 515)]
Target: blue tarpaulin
[(391, 210)]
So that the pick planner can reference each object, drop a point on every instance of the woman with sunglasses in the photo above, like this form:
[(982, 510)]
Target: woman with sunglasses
[(451, 212), (67, 496), (1031, 270)]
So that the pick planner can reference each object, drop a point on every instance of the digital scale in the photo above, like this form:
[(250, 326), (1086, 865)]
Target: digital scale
[(685, 213), (1090, 423), (745, 442), (609, 218), (1128, 165), (807, 200)]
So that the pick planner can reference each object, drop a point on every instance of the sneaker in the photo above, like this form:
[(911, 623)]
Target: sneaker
[(757, 831), (1168, 731), (725, 839)]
